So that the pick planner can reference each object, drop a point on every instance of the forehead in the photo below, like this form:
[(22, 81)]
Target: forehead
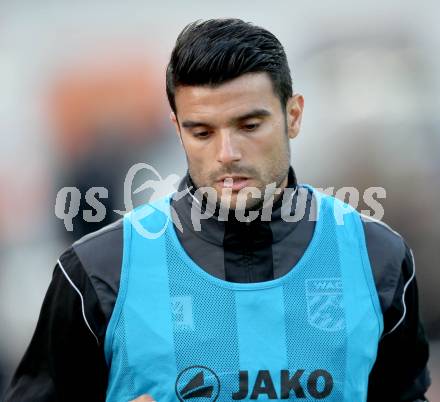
[(235, 97)]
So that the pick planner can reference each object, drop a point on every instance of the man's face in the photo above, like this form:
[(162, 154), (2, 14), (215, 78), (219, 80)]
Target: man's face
[(237, 132)]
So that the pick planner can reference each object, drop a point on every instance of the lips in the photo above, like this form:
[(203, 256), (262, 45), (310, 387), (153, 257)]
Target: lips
[(236, 183)]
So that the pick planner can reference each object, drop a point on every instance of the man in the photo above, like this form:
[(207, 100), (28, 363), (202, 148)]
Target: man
[(241, 304)]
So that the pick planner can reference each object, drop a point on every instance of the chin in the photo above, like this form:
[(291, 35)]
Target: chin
[(252, 203)]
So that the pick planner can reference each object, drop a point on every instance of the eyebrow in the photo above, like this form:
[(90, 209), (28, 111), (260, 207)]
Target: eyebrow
[(249, 115)]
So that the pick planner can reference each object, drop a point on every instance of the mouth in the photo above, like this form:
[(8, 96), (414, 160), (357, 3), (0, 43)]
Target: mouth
[(235, 183)]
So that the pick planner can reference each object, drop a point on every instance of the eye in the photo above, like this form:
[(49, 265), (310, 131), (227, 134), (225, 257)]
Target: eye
[(250, 126), (201, 134)]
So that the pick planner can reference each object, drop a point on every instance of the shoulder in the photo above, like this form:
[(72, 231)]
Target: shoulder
[(95, 262), (100, 252), (383, 240)]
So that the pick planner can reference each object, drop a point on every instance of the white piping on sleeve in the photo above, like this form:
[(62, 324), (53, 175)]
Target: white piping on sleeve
[(366, 218), (403, 295), (82, 299)]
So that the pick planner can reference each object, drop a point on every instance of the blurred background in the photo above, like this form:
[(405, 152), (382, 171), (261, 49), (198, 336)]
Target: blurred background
[(82, 98)]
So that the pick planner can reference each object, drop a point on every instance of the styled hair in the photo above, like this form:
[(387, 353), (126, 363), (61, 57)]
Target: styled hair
[(215, 51)]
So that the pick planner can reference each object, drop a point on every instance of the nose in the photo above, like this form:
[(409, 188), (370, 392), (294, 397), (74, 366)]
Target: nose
[(227, 150)]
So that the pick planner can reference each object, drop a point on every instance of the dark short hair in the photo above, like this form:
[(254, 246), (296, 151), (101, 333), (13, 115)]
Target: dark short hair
[(215, 51)]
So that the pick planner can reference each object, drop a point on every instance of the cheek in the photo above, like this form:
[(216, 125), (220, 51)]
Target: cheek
[(268, 146), (271, 156), (192, 153), (199, 165)]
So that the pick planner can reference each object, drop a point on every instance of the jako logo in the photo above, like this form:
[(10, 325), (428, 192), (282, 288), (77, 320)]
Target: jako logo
[(203, 384), (197, 382), (319, 385)]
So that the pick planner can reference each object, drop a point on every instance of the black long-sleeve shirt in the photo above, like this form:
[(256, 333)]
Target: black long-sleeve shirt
[(65, 359)]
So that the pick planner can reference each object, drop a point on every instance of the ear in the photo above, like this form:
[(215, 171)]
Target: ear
[(174, 120), (294, 111)]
